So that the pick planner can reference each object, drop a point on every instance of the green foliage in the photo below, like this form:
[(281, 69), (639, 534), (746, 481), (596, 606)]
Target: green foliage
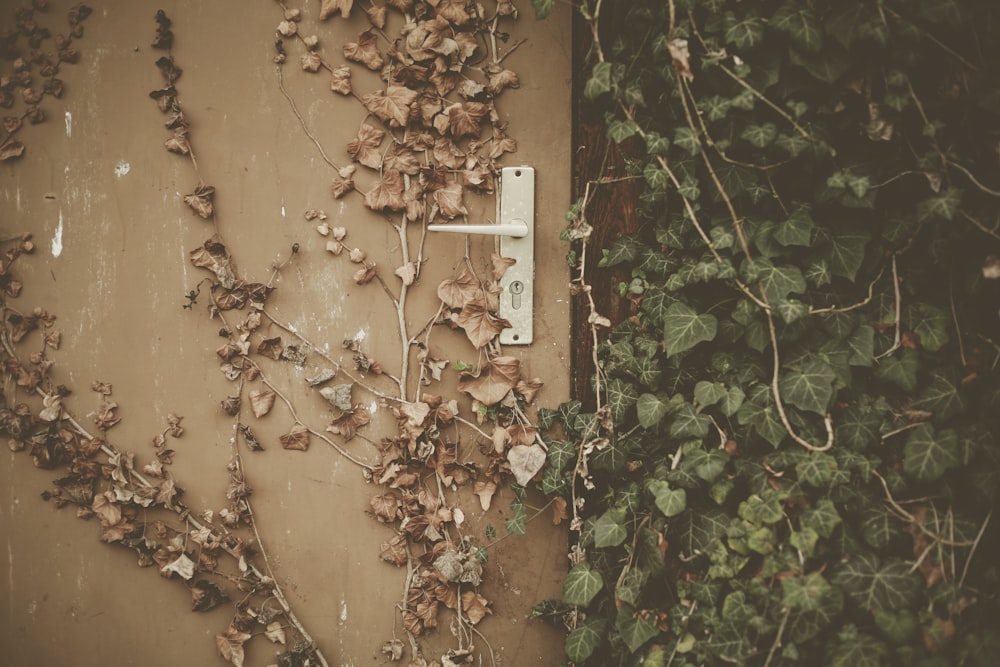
[(799, 447)]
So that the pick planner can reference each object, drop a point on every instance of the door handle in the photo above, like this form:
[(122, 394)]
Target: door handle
[(515, 227)]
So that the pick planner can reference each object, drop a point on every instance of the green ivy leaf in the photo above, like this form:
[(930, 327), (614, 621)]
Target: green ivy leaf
[(801, 25), (805, 541), (817, 469), (620, 130), (683, 328), (928, 454), (941, 207), (805, 593), (791, 310), (651, 410), (630, 587), (622, 396), (809, 388), (709, 393), (900, 370), (518, 524), (655, 302), (822, 517), (543, 8), (877, 527), (688, 423), (764, 419), (634, 629), (940, 397), (581, 584), (847, 252), (796, 230), (732, 401), (624, 249), (705, 465), (669, 501), (694, 531), (561, 453), (760, 136), (760, 510), (687, 140), (744, 33), (930, 323), (875, 586), (859, 651), (862, 345), (818, 273), (609, 530), (777, 281), (600, 80), (584, 639)]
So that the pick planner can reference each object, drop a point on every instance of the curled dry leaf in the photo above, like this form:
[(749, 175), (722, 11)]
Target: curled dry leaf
[(270, 347), (385, 507), (364, 275), (340, 80), (52, 408), (205, 596), (11, 150), (201, 201), (559, 513), (311, 62), (376, 15), (348, 423), (500, 265), (311, 42), (297, 438), (342, 184), (357, 255), (329, 7), (529, 388), (475, 606), (179, 142), (275, 632), (394, 551), (678, 49), (505, 78), (261, 401), (365, 51), (407, 273), (485, 488), (182, 567), (495, 379), (212, 255)]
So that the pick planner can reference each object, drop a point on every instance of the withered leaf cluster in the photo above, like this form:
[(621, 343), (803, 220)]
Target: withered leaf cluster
[(34, 68), (438, 131)]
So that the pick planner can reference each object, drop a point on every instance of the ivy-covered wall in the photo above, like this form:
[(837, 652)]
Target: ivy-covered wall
[(793, 456)]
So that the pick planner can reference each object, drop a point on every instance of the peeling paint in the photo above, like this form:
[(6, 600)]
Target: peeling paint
[(57, 243), (122, 168)]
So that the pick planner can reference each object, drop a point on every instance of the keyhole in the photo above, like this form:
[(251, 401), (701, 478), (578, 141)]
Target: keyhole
[(516, 289)]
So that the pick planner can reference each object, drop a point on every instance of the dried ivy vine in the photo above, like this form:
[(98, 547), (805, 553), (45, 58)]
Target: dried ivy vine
[(436, 114), (793, 454), (20, 89)]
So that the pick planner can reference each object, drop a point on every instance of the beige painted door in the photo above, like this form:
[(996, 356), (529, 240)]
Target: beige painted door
[(113, 238)]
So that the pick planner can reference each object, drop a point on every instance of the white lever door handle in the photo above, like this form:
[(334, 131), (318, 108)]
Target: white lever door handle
[(515, 228)]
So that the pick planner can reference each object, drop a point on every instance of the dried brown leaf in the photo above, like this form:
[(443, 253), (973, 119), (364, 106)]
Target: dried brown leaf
[(503, 79), (387, 193), (261, 401), (270, 347), (11, 150), (349, 422), (500, 265), (475, 606), (365, 51), (179, 142), (376, 15), (340, 80), (495, 379), (525, 462), (394, 551), (364, 148), (329, 7), (449, 200), (201, 201), (479, 323), (311, 62), (230, 645), (407, 273), (463, 288), (464, 118), (391, 105), (385, 507), (297, 438)]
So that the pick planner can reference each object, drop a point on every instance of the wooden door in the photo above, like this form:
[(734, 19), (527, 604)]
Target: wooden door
[(113, 242)]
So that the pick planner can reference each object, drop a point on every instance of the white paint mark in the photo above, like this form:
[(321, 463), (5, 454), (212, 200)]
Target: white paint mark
[(373, 408), (66, 169), (122, 168), (69, 124), (361, 335), (282, 211), (57, 244), (343, 611), (289, 486)]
